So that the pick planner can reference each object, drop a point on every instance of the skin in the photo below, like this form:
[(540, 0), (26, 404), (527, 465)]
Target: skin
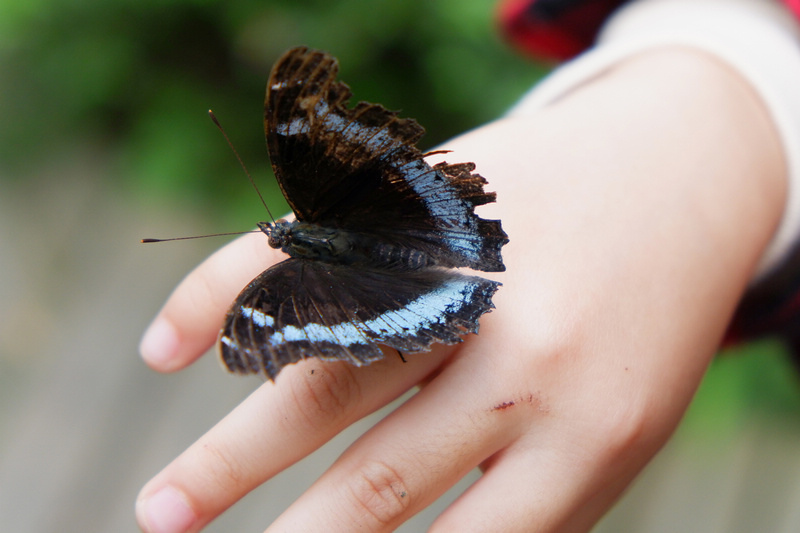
[(638, 207)]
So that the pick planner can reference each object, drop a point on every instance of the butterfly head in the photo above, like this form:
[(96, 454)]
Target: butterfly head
[(279, 233)]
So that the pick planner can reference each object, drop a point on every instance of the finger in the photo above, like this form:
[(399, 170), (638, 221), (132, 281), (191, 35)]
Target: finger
[(276, 426), (531, 488), (413, 456), (188, 323)]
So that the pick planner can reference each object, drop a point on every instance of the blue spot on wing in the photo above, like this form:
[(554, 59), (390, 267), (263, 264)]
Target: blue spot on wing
[(411, 319)]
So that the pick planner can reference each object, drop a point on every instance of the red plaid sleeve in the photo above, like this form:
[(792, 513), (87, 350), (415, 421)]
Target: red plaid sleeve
[(554, 29), (560, 29)]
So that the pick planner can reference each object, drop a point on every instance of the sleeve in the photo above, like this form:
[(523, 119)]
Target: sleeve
[(553, 29), (761, 40)]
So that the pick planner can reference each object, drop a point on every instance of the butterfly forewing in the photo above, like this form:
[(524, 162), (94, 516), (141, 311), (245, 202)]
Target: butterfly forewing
[(358, 168)]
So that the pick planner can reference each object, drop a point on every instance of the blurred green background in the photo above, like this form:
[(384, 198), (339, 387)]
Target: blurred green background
[(104, 129), (134, 79)]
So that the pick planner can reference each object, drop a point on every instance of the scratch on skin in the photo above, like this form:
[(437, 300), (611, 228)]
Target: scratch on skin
[(503, 406), (531, 399)]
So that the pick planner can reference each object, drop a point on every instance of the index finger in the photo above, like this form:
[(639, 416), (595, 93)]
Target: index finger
[(188, 323)]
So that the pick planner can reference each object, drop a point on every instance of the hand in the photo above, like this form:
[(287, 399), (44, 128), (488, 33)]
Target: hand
[(635, 226)]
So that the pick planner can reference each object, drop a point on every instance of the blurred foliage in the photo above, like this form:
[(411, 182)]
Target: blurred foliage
[(136, 79), (754, 379)]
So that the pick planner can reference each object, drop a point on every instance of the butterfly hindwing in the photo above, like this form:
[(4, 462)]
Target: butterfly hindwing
[(299, 309), (359, 169)]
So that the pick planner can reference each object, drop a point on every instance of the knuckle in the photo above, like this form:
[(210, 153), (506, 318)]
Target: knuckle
[(630, 428), (626, 428), (379, 495), (324, 393), (550, 347), (225, 470)]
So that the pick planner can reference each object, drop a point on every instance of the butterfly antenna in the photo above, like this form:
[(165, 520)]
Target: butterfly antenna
[(200, 236), (241, 163)]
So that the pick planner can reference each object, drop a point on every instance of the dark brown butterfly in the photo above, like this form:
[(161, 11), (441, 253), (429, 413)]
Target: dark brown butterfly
[(376, 235)]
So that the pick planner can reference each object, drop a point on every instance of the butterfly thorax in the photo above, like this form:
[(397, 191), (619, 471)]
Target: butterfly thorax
[(304, 240)]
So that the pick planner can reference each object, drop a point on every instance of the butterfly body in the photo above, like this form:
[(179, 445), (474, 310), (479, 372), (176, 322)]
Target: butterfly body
[(377, 234), (334, 245)]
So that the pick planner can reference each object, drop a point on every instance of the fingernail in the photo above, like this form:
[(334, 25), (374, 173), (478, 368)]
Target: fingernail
[(159, 344), (166, 511)]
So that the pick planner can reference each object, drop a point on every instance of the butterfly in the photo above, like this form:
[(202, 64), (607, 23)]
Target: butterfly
[(376, 236)]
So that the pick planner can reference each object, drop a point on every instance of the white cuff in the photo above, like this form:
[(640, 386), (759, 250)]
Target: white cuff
[(759, 38)]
